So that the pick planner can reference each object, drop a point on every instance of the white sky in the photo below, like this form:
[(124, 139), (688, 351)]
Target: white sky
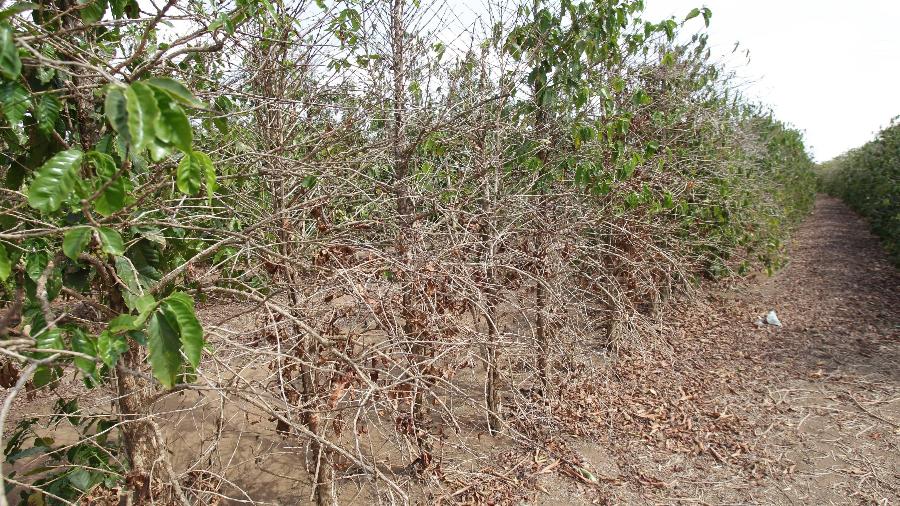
[(830, 68)]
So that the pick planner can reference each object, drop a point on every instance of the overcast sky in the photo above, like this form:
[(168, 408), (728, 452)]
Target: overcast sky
[(830, 68)]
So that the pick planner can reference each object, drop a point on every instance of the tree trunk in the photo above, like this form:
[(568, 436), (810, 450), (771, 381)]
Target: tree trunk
[(492, 387), (323, 473), (540, 298), (139, 436), (492, 353)]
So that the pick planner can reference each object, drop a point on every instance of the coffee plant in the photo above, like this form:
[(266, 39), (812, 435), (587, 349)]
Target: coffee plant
[(358, 233), (868, 179)]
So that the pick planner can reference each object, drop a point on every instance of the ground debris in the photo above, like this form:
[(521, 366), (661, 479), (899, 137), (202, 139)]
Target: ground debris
[(808, 414)]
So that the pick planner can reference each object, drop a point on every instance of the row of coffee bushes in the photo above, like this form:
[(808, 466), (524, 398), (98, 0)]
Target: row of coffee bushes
[(868, 179)]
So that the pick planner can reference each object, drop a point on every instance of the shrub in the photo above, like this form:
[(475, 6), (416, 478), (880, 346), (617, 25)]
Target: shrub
[(868, 180)]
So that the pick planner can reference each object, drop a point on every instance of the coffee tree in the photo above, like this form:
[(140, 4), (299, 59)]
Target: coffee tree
[(867, 179), (359, 234), (94, 141)]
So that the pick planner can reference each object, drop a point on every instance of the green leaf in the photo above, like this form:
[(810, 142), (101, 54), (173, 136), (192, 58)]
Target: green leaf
[(83, 343), (17, 8), (132, 9), (670, 26), (707, 14), (10, 64), (693, 14), (668, 201), (668, 59), (187, 176), (111, 241), (179, 307), (174, 127), (117, 112), (158, 149), (14, 99), (48, 107), (75, 241), (93, 11), (122, 323), (175, 90), (110, 347), (147, 307), (190, 171), (641, 98), (55, 181), (54, 282), (48, 340), (587, 474), (5, 264), (164, 345), (134, 293), (210, 171), (35, 263), (145, 303), (115, 195), (152, 234), (81, 479), (219, 22), (223, 105), (44, 375), (143, 113), (146, 258), (118, 8), (15, 175)]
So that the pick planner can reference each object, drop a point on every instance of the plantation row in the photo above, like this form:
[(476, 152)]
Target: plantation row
[(868, 179), (402, 229)]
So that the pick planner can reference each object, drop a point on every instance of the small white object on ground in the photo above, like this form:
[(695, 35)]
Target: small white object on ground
[(772, 318)]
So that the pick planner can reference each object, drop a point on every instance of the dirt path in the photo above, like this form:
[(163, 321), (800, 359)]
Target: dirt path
[(836, 364), (738, 413)]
